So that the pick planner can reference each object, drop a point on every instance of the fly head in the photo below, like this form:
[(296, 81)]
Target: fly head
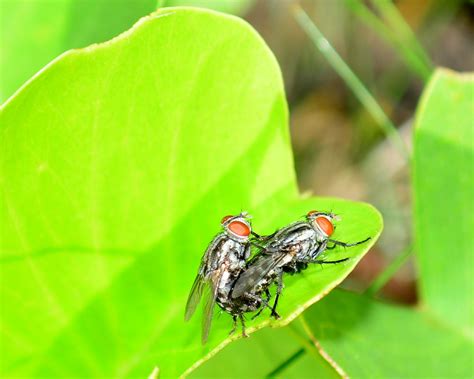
[(238, 227), (322, 223)]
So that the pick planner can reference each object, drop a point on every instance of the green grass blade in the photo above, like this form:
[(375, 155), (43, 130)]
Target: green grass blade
[(415, 60), (298, 354), (354, 83), (389, 271), (403, 32)]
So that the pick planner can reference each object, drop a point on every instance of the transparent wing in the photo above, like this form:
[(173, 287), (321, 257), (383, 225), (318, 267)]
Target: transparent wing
[(257, 270), (194, 296), (277, 246), (210, 296), (206, 289), (200, 282)]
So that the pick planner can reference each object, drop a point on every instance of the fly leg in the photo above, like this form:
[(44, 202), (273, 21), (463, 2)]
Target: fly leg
[(268, 294), (263, 238), (262, 248), (242, 321), (260, 311), (257, 245), (319, 249), (328, 262), (264, 303), (279, 281), (344, 244), (234, 327)]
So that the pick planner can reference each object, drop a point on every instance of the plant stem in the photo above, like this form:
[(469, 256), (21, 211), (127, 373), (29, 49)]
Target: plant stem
[(319, 348), (357, 87), (389, 271), (303, 340), (308, 343)]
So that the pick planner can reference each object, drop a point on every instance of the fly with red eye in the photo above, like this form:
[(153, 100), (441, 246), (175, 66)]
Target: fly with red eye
[(236, 227), (237, 284), (223, 261), (290, 250)]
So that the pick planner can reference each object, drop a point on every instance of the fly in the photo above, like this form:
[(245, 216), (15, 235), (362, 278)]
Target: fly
[(221, 265), (290, 249)]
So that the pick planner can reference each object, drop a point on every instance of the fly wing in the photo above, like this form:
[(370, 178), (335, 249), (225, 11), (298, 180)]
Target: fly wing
[(201, 280), (210, 296), (280, 245), (194, 296), (258, 270)]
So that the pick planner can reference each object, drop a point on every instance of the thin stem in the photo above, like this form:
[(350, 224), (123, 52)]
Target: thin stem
[(357, 87), (319, 348), (389, 271), (308, 341), (307, 344), (416, 61)]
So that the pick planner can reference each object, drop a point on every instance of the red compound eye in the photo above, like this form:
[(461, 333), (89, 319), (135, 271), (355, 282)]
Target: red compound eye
[(239, 228), (326, 226), (311, 213), (224, 219)]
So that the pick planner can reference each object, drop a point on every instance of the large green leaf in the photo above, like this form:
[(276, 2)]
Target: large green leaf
[(118, 161), (237, 7), (34, 32), (444, 191), (369, 339)]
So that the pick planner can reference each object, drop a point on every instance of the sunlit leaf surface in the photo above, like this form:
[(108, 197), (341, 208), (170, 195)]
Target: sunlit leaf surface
[(118, 162), (444, 192), (35, 32), (366, 338)]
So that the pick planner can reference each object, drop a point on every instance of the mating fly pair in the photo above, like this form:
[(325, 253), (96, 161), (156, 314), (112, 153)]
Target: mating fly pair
[(238, 285)]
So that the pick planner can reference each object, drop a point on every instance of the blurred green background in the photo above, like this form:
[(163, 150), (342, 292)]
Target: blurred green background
[(339, 147)]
